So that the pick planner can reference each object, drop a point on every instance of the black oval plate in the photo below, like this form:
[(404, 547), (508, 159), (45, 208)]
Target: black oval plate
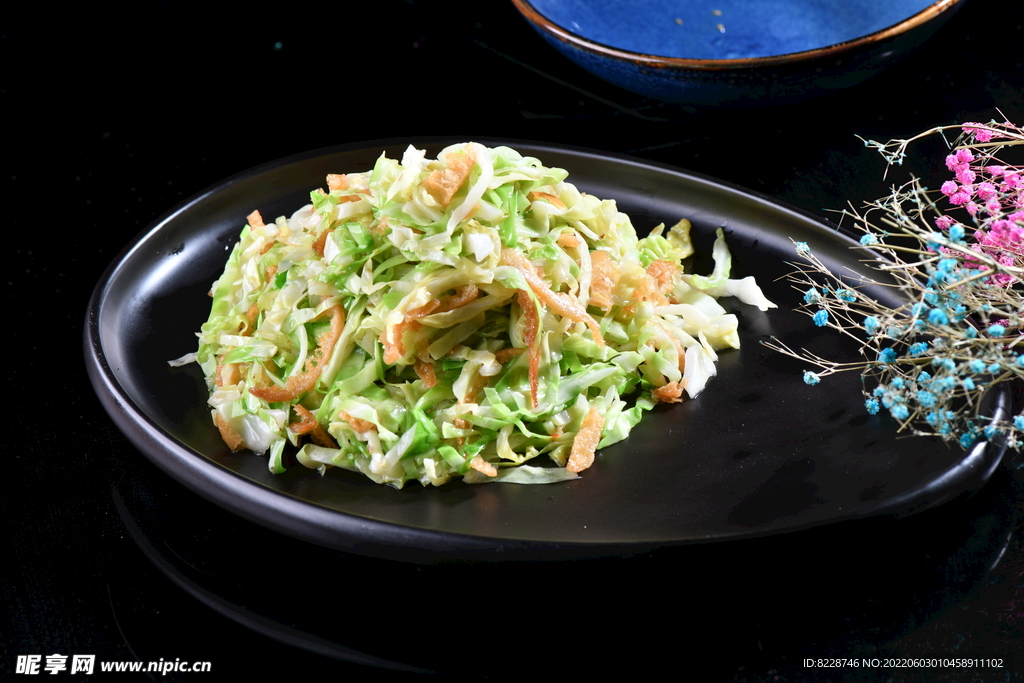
[(758, 452)]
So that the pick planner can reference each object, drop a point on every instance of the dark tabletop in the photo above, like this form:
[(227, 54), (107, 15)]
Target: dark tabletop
[(115, 123)]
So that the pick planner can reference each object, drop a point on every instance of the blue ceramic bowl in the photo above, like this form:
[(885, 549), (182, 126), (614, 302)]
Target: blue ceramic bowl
[(736, 53)]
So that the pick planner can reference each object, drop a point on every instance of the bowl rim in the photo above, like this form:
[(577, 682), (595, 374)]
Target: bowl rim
[(641, 59)]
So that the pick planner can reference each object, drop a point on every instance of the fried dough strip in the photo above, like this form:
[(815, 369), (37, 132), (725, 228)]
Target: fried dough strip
[(395, 351), (358, 424), (302, 382), (232, 438), (462, 296), (562, 304), (424, 310), (505, 355), (380, 227), (650, 290), (483, 467), (530, 337), (309, 425), (320, 242), (663, 272), (250, 316), (337, 181), (584, 444), (443, 183), (670, 393), (552, 199), (604, 275), (567, 240), (227, 374), (473, 391), (425, 371), (306, 424)]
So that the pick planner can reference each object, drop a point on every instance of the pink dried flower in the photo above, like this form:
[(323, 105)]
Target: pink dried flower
[(993, 206), (964, 156), (986, 191), (994, 171), (1011, 180), (980, 134), (949, 188), (971, 207), (944, 222), (951, 162), (959, 198), (966, 176)]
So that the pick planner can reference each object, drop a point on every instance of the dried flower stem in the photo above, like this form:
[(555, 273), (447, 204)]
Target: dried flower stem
[(932, 359)]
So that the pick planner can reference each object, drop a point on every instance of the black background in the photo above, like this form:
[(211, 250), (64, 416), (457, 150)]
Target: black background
[(116, 116)]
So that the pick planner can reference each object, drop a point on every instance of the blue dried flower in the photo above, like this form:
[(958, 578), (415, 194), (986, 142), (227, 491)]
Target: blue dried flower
[(968, 384), (967, 439), (926, 398), (811, 296), (820, 318), (845, 295), (1018, 422), (946, 265), (900, 412), (811, 377), (871, 325), (802, 249), (871, 405), (867, 240), (977, 366), (956, 233), (887, 355), (994, 368), (970, 333), (924, 376), (918, 349), (996, 331), (937, 316)]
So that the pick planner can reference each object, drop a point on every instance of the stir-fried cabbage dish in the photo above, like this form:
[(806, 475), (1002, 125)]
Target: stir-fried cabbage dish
[(472, 316)]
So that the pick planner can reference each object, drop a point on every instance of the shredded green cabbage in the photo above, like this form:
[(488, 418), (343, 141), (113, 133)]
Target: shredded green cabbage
[(458, 317)]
